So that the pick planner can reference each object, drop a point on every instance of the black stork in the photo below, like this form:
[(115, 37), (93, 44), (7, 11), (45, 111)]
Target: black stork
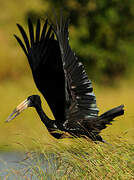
[(62, 80)]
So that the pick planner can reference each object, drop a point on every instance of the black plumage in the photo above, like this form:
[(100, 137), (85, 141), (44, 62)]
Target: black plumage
[(62, 80)]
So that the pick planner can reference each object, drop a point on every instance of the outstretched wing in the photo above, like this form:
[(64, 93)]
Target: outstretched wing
[(80, 91), (44, 57)]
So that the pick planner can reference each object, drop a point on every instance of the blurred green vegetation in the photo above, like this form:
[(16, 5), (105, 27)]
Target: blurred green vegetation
[(101, 34)]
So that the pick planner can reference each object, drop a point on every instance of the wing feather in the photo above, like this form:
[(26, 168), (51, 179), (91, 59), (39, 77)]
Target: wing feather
[(82, 99), (24, 36), (44, 30), (38, 31), (44, 57), (22, 45), (31, 31)]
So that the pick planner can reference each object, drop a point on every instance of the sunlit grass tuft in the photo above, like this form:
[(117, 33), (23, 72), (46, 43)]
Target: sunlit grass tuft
[(82, 159)]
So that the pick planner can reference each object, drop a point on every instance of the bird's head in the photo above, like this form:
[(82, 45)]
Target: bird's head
[(34, 101), (31, 101)]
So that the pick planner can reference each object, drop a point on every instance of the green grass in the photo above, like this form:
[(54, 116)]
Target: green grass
[(82, 159)]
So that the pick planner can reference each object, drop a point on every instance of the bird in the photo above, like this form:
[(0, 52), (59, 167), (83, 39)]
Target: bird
[(63, 81)]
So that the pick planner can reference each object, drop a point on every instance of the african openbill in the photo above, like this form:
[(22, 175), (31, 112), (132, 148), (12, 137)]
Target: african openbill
[(62, 80)]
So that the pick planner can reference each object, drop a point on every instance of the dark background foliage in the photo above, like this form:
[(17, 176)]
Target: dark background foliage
[(101, 34)]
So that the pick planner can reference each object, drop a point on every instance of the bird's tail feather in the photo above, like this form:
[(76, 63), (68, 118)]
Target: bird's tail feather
[(112, 113), (108, 116)]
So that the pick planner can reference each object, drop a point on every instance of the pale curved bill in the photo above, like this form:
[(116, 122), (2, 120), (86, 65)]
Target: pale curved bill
[(21, 107)]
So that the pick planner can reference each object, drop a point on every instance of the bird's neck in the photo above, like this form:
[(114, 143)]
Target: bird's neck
[(47, 121)]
